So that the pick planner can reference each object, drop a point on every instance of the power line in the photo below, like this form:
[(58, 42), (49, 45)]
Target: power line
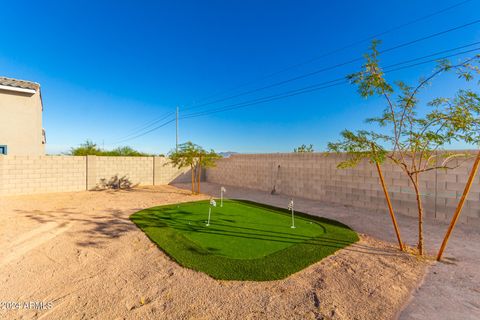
[(151, 123), (436, 54), (146, 126), (335, 66), (307, 89), (264, 100), (176, 131), (315, 87), (431, 36), (433, 60), (144, 133), (331, 52)]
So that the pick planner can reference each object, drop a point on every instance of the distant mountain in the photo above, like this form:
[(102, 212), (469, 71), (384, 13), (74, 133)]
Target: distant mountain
[(227, 154)]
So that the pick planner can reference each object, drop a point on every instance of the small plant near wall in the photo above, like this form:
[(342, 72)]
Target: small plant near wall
[(408, 133), (116, 183)]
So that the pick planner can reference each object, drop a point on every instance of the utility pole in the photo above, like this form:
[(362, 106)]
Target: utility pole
[(176, 132)]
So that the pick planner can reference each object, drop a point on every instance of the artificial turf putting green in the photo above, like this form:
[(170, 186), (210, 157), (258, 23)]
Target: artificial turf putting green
[(245, 240)]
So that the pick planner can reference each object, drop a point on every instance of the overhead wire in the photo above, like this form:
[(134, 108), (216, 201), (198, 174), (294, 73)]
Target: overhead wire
[(323, 85), (145, 133), (146, 126), (335, 66), (331, 52), (316, 87)]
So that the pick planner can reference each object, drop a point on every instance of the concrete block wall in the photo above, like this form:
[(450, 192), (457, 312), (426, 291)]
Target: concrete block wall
[(139, 170), (42, 174), (165, 173), (313, 176), (316, 176), (37, 174)]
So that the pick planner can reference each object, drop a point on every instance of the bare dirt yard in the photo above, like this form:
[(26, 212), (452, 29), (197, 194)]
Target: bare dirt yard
[(79, 254)]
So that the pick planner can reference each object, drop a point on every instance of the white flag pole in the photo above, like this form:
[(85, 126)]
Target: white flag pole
[(212, 203), (293, 220), (209, 212), (290, 206), (222, 190)]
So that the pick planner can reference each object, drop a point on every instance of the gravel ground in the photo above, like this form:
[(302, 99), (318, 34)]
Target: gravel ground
[(80, 255)]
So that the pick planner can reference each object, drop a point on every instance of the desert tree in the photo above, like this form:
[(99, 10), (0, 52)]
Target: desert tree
[(185, 156), (86, 148), (304, 148), (89, 148), (205, 159), (195, 157), (410, 134)]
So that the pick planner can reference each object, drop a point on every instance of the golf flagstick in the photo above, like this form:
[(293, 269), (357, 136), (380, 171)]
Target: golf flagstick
[(290, 207), (209, 212), (212, 203), (222, 191)]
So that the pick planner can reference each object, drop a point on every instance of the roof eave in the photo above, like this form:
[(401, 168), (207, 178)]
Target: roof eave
[(17, 89)]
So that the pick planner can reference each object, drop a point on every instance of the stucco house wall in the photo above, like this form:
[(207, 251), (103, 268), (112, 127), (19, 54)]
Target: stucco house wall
[(21, 117)]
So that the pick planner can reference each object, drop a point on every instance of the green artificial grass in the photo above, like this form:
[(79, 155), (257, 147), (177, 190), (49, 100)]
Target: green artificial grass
[(245, 240)]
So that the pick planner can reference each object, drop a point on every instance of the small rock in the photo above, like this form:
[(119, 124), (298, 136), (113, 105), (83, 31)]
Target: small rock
[(130, 305)]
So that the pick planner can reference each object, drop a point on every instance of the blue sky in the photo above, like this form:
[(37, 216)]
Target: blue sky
[(107, 68)]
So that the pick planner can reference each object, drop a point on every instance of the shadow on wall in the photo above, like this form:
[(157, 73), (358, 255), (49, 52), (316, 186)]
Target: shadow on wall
[(186, 177)]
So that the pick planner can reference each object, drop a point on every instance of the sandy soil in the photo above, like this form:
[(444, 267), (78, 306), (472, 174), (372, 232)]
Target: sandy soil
[(80, 253)]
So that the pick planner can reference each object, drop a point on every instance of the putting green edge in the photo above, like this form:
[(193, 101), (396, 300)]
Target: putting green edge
[(275, 266)]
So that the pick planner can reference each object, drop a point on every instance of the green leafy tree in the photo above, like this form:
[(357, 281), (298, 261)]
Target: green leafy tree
[(89, 148), (195, 157), (86, 149), (185, 157), (409, 134), (205, 159), (125, 152), (304, 148)]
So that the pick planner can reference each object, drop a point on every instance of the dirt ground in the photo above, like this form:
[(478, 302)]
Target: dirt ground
[(79, 255)]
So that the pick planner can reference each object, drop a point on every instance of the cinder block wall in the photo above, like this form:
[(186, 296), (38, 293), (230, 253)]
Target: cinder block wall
[(42, 174), (36, 174), (165, 173), (139, 170), (315, 176)]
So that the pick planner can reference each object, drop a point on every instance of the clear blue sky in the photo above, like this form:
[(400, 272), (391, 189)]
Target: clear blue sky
[(107, 67)]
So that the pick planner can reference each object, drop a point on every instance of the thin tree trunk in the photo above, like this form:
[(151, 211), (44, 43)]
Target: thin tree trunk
[(420, 215), (476, 164), (199, 175), (390, 209), (193, 179)]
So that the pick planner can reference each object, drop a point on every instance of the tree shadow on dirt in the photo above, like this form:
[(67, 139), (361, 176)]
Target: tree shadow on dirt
[(92, 230)]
